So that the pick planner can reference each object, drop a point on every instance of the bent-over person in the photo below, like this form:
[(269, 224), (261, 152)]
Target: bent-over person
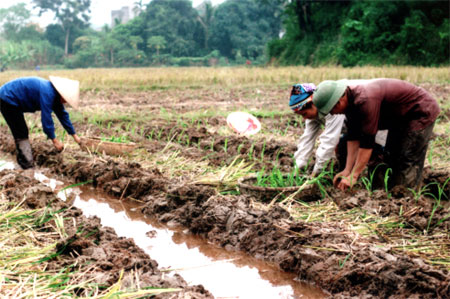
[(407, 111), (30, 94)]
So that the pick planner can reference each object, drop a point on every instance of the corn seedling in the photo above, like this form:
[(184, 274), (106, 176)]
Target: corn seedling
[(262, 151), (119, 139), (418, 194), (368, 182), (342, 263), (386, 183), (239, 148), (437, 204), (211, 146), (160, 134), (225, 144), (277, 179), (250, 152)]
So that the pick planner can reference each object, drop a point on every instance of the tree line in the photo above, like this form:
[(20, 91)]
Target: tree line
[(280, 32)]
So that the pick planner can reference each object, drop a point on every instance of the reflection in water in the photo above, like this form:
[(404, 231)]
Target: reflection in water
[(225, 274)]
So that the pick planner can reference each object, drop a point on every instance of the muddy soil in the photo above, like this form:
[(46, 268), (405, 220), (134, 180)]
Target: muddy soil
[(222, 150), (96, 247), (328, 254)]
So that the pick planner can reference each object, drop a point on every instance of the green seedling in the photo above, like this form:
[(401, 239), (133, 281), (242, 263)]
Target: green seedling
[(262, 151), (386, 183), (250, 152), (368, 182), (211, 147), (277, 179), (150, 137), (160, 134), (225, 144), (239, 148), (120, 139), (437, 204), (342, 263)]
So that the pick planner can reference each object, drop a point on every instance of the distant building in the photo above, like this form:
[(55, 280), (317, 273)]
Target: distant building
[(120, 16)]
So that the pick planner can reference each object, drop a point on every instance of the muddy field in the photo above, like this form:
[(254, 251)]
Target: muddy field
[(350, 244)]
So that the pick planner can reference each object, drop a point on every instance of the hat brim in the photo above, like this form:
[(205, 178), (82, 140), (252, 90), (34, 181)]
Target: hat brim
[(68, 89), (339, 91)]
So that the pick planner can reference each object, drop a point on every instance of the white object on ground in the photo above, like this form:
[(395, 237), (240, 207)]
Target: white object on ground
[(243, 123)]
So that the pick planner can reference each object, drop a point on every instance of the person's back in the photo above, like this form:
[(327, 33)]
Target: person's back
[(28, 93)]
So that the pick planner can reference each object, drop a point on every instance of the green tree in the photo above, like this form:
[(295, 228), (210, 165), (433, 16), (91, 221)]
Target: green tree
[(138, 7), (13, 20), (11, 53), (110, 43), (70, 14), (157, 42), (244, 27), (205, 18), (177, 22)]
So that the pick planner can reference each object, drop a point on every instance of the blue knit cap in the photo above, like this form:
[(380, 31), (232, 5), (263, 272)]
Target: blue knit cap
[(299, 95)]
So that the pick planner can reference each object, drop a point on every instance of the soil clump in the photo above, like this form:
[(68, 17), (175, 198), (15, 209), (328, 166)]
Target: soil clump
[(328, 254), (90, 248)]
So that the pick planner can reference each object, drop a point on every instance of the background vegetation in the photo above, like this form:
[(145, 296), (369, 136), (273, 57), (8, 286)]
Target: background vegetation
[(279, 32)]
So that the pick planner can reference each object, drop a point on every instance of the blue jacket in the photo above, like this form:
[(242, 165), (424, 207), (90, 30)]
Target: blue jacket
[(31, 94)]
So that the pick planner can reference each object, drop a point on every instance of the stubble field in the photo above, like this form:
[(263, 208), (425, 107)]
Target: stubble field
[(186, 169)]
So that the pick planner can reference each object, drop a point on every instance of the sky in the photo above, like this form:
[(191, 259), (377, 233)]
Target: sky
[(100, 10)]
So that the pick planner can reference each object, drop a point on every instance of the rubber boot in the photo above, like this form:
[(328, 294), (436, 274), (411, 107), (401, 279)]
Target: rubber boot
[(24, 153)]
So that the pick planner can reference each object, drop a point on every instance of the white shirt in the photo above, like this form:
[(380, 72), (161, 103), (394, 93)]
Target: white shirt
[(328, 140)]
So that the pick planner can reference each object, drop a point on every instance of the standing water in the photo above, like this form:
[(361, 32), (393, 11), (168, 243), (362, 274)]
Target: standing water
[(225, 274)]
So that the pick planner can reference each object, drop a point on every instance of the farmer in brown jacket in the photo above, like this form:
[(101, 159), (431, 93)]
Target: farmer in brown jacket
[(407, 111)]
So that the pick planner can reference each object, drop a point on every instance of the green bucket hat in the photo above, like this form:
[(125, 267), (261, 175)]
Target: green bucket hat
[(328, 94)]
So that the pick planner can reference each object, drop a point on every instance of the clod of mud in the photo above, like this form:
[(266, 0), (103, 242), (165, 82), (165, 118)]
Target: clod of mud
[(328, 254), (90, 245), (415, 211), (349, 266)]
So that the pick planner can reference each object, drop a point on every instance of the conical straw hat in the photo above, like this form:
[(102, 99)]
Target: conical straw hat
[(68, 89)]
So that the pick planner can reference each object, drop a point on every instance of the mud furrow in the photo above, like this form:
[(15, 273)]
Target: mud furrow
[(328, 254)]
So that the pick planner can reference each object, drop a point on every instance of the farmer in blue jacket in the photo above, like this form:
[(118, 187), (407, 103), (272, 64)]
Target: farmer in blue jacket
[(30, 94)]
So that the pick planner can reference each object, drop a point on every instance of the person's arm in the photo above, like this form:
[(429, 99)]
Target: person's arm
[(328, 140), (306, 143), (63, 117), (362, 158), (352, 152), (46, 118)]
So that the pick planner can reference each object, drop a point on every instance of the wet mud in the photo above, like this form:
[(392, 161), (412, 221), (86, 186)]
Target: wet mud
[(90, 248), (338, 260), (222, 150)]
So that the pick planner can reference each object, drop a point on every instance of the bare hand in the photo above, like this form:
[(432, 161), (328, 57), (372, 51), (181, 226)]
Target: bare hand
[(58, 145), (344, 183), (337, 178), (76, 138)]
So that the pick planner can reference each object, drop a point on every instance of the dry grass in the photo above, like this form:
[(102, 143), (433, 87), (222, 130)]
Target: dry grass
[(157, 78)]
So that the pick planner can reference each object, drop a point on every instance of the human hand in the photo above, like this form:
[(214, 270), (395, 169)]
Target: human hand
[(58, 145), (346, 182), (76, 138), (337, 178)]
